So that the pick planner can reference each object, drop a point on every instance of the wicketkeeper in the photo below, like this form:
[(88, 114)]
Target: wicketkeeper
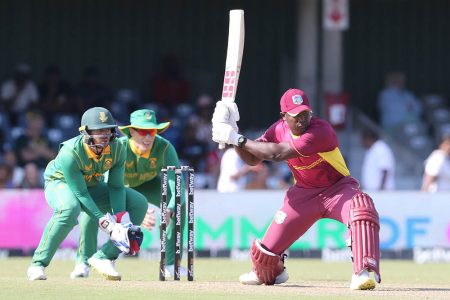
[(323, 189), (74, 182), (146, 154)]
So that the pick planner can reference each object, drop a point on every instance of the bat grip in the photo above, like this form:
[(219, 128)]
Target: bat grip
[(221, 146)]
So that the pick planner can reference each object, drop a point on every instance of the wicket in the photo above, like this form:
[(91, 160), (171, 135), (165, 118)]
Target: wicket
[(190, 216)]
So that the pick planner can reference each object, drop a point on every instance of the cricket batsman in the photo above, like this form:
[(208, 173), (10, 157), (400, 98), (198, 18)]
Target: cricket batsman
[(146, 154), (323, 189), (74, 182)]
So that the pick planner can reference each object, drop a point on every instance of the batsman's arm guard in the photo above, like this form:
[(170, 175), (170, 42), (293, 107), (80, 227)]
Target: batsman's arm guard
[(364, 227), (267, 265)]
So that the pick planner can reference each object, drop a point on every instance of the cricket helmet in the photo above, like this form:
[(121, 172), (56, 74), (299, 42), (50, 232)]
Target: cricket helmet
[(97, 118)]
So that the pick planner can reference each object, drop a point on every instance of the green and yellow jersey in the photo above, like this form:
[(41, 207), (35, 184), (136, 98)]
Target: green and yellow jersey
[(80, 168), (143, 167)]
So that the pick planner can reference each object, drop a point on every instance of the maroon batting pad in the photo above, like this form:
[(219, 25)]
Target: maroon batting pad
[(365, 229), (267, 264)]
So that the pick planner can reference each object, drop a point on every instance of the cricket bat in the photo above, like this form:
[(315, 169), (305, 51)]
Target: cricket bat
[(236, 37)]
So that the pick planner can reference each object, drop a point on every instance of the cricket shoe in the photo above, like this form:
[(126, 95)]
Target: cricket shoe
[(250, 278), (81, 271), (362, 281), (36, 273), (169, 271), (105, 267)]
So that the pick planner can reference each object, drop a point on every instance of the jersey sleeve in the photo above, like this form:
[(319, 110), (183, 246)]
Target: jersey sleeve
[(116, 182), (269, 135), (76, 182), (319, 138), (171, 159)]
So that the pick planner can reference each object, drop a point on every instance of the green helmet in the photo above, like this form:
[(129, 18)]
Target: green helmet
[(97, 118)]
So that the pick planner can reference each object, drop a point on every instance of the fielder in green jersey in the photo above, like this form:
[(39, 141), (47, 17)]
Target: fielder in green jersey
[(74, 182), (147, 152)]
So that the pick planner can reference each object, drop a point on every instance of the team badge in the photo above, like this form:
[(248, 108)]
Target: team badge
[(153, 162), (297, 99), (107, 164), (102, 116), (88, 168), (129, 165), (280, 216)]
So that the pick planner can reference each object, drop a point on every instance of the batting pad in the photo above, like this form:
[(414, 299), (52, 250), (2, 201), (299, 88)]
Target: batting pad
[(267, 264), (365, 228)]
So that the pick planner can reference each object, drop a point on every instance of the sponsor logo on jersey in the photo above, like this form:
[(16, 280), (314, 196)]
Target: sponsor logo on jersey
[(129, 165)]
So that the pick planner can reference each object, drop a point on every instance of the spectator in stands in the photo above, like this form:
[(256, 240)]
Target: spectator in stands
[(19, 93), (193, 152), (437, 168), (378, 167), (258, 176), (33, 178), (169, 87), (396, 104), (10, 158), (233, 171), (204, 111), (33, 145), (5, 176), (91, 92), (55, 93)]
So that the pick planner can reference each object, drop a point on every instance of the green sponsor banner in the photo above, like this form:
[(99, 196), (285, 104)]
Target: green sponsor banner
[(239, 232)]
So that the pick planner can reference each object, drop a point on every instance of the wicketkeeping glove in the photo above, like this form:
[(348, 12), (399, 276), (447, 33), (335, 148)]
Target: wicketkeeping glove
[(125, 236)]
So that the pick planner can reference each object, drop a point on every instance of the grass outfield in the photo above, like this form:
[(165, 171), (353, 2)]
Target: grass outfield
[(218, 279)]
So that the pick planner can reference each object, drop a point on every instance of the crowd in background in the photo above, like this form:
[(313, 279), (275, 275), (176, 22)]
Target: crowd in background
[(36, 115)]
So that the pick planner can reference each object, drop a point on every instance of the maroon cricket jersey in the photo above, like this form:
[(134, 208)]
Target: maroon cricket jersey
[(319, 162)]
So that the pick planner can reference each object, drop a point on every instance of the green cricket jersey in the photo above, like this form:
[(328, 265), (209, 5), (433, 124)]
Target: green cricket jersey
[(143, 167), (80, 168)]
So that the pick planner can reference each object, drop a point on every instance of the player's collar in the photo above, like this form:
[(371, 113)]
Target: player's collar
[(91, 154), (294, 136), (136, 150)]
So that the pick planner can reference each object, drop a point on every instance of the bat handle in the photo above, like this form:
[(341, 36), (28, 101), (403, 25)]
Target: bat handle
[(221, 146)]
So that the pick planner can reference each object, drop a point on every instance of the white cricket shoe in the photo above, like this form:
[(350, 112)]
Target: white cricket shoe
[(36, 273), (250, 278), (362, 281), (81, 271), (169, 270), (105, 267)]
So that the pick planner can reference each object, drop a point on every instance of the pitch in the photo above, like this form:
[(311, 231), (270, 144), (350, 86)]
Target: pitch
[(218, 279)]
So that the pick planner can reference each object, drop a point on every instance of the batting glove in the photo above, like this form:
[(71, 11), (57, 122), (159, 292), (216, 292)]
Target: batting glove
[(226, 112), (224, 133)]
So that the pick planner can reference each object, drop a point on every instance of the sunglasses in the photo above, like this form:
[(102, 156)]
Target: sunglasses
[(145, 132)]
